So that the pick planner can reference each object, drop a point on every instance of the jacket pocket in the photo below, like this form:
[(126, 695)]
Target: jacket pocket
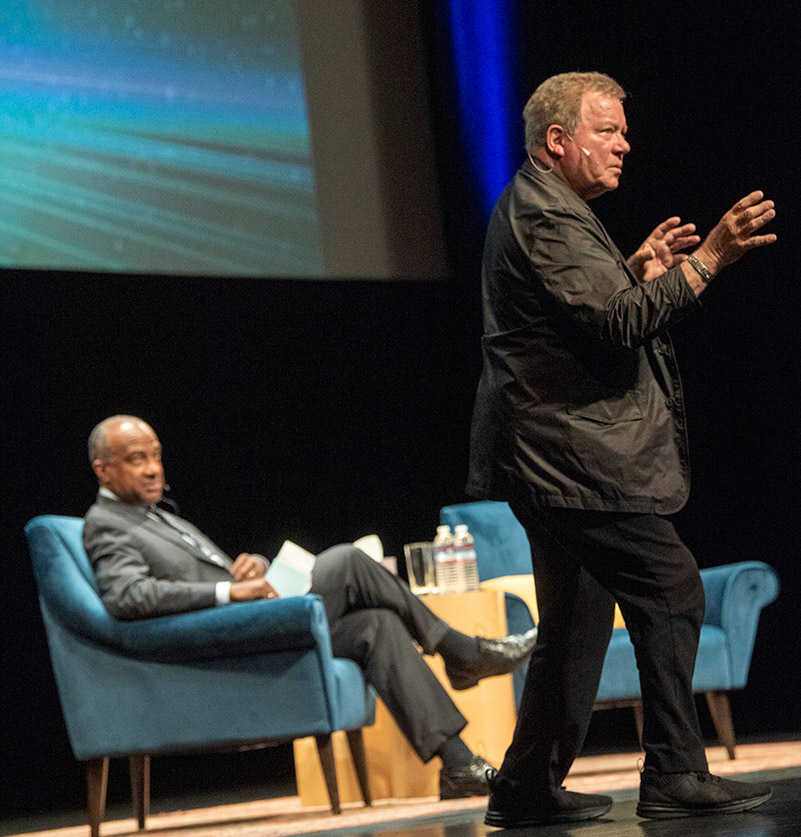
[(625, 407)]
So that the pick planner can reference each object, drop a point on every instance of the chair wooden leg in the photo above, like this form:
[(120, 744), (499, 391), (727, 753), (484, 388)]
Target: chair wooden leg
[(356, 744), (638, 719), (720, 709), (139, 768), (96, 786), (325, 751)]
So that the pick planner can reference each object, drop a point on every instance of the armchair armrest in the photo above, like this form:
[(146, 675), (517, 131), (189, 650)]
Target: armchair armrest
[(521, 586), (257, 627), (236, 630), (735, 596)]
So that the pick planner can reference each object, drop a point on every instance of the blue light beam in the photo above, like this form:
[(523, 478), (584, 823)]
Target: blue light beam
[(481, 47)]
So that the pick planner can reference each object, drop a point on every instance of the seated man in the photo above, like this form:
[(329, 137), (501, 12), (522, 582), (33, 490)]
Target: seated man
[(149, 563)]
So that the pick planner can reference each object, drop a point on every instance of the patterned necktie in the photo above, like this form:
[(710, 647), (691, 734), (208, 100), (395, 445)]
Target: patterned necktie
[(156, 513)]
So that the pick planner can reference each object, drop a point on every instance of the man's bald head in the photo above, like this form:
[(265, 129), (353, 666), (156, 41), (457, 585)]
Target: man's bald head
[(126, 457)]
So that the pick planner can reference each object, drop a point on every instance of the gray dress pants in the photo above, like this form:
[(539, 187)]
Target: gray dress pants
[(375, 620)]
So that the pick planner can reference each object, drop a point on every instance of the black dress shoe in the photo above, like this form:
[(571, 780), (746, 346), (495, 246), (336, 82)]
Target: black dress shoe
[(526, 808), (470, 780), (495, 656), (670, 795)]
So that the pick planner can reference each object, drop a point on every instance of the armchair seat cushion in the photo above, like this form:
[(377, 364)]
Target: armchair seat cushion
[(620, 677), (713, 664)]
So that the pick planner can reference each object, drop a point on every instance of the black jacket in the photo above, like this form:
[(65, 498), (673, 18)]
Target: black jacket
[(579, 403)]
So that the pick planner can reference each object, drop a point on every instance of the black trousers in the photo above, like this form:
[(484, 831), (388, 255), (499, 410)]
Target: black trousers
[(583, 561), (374, 620)]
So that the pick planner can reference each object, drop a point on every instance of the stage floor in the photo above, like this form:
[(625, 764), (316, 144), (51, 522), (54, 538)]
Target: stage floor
[(616, 774), (779, 817)]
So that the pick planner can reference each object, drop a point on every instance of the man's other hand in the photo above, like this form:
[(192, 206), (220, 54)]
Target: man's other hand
[(248, 591), (660, 251)]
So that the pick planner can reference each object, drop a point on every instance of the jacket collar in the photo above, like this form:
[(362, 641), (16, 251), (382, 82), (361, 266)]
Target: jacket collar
[(549, 182), (110, 501), (139, 516)]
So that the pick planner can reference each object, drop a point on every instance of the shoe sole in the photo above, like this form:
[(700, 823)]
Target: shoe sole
[(655, 811), (504, 821), (448, 793), (459, 685)]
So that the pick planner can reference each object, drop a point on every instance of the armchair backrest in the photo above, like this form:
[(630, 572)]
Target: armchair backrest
[(67, 588), (70, 601), (502, 546), (189, 680)]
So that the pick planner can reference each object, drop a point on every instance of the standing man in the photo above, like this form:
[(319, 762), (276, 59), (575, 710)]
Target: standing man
[(149, 562), (579, 423)]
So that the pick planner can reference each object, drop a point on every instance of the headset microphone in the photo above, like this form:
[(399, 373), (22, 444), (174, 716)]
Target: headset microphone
[(585, 150), (171, 504)]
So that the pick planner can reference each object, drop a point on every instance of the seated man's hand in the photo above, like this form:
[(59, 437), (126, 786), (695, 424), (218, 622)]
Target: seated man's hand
[(249, 591), (248, 566), (249, 571)]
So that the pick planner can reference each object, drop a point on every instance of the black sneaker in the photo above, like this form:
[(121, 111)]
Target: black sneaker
[(669, 795), (553, 806)]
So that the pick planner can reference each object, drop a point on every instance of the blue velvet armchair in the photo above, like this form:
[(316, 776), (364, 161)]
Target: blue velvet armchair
[(735, 596), (223, 678)]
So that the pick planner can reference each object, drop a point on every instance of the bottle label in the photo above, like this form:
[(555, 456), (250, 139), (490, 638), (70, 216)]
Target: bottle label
[(447, 569)]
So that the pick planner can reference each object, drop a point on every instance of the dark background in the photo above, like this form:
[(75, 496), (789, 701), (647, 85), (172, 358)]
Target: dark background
[(322, 411)]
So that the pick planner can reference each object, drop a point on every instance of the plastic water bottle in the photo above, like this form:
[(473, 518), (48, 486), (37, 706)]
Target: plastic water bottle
[(447, 569), (465, 551)]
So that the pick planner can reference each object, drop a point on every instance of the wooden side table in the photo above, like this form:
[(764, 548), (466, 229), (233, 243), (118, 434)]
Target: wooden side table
[(394, 769)]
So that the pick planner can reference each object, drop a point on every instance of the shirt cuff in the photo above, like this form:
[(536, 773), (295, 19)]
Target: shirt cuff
[(222, 593)]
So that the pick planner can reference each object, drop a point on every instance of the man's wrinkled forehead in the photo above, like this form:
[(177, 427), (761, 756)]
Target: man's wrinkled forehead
[(600, 107)]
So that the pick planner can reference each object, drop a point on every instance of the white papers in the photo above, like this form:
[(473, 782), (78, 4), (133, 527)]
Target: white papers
[(371, 544), (290, 572)]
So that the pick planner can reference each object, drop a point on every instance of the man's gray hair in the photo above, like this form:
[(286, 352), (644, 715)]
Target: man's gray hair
[(98, 438), (557, 101)]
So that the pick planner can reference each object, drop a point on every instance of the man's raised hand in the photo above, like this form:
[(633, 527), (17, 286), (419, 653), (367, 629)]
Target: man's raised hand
[(661, 249), (734, 235)]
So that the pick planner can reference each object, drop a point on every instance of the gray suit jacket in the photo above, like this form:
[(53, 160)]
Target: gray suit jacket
[(145, 568)]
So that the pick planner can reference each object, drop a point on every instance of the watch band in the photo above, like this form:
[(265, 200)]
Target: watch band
[(704, 272)]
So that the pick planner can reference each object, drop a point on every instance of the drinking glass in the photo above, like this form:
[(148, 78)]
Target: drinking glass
[(420, 567)]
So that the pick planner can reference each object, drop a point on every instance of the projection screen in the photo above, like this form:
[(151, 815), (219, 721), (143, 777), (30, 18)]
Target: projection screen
[(244, 138)]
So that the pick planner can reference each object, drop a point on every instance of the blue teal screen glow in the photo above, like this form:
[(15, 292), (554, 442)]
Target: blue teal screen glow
[(165, 136)]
